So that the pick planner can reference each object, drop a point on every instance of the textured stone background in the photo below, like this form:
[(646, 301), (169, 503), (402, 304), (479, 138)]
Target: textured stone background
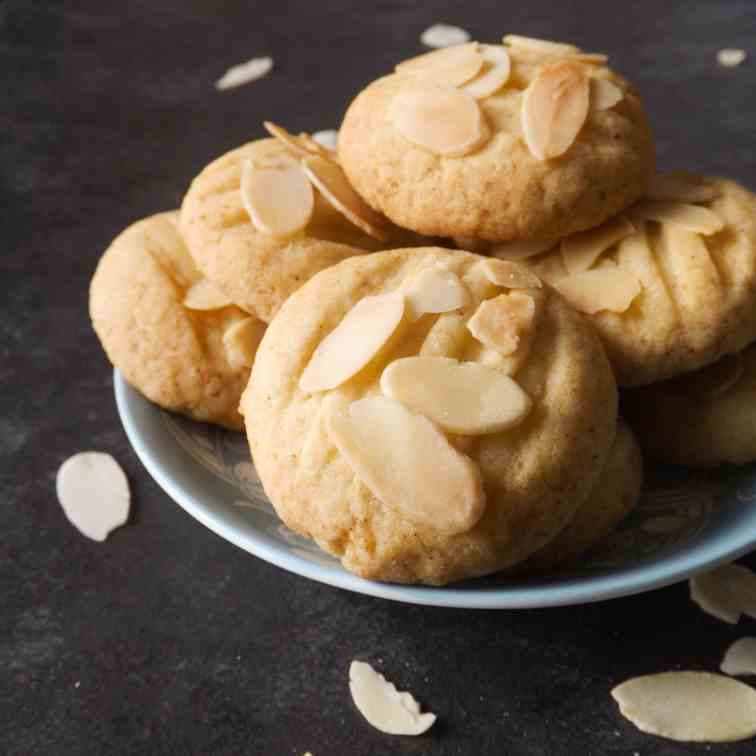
[(168, 640)]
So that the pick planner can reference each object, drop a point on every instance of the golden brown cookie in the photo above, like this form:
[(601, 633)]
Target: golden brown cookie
[(428, 415), (704, 419), (259, 222), (615, 494), (671, 286), (172, 334), (525, 140)]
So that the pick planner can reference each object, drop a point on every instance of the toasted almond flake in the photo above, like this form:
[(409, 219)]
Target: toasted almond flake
[(94, 493), (354, 342), (591, 59), (435, 291), (500, 323), (726, 592), (591, 291), (604, 94), (494, 75), (241, 341), (689, 706), (580, 251), (204, 295), (289, 140), (244, 73), (700, 220), (509, 274), (554, 109), (277, 197), (445, 121), (545, 46), (327, 137), (450, 66), (384, 707), (731, 57), (444, 35), (740, 658), (717, 379), (333, 184), (681, 188), (408, 464), (461, 397), (520, 249)]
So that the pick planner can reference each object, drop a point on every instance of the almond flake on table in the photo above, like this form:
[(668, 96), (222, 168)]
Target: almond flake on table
[(94, 493), (384, 707), (726, 592), (244, 73), (444, 35), (730, 57), (740, 658)]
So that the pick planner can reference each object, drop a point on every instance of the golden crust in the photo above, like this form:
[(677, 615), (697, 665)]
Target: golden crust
[(534, 475), (173, 355)]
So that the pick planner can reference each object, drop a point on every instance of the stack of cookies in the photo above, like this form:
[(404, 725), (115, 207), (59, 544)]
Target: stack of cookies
[(424, 331)]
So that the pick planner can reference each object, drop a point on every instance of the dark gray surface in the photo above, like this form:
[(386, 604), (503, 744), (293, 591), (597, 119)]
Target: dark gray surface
[(166, 639)]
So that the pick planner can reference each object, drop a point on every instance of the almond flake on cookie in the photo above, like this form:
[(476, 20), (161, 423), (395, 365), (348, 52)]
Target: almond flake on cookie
[(580, 251), (509, 275), (408, 464), (354, 342), (384, 707), (278, 197), (494, 75), (681, 188), (554, 109), (461, 397), (204, 295), (331, 181), (501, 322), (520, 249), (604, 94), (544, 46), (444, 35), (606, 288), (442, 119), (241, 341), (450, 66), (700, 220), (435, 291)]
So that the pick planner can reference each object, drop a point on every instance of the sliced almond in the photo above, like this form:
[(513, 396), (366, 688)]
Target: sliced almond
[(731, 57), (717, 379), (444, 35), (700, 220), (500, 323), (445, 121), (94, 493), (435, 291), (333, 184), (494, 75), (328, 138), (277, 197), (241, 341), (604, 94), (591, 59), (689, 706), (544, 46), (462, 397), (681, 188), (449, 66), (360, 335), (509, 275), (243, 73), (726, 592), (591, 291), (205, 296), (520, 249), (286, 138), (580, 251), (554, 109), (315, 147), (383, 705), (740, 658), (408, 464)]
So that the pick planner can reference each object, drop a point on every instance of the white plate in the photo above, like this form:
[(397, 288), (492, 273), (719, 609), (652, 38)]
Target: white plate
[(688, 521)]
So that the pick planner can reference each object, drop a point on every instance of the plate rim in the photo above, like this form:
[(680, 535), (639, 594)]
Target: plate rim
[(590, 589)]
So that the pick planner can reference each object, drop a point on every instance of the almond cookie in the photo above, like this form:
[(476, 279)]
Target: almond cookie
[(171, 333), (671, 284), (428, 415), (703, 419), (524, 140), (264, 218), (614, 496)]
